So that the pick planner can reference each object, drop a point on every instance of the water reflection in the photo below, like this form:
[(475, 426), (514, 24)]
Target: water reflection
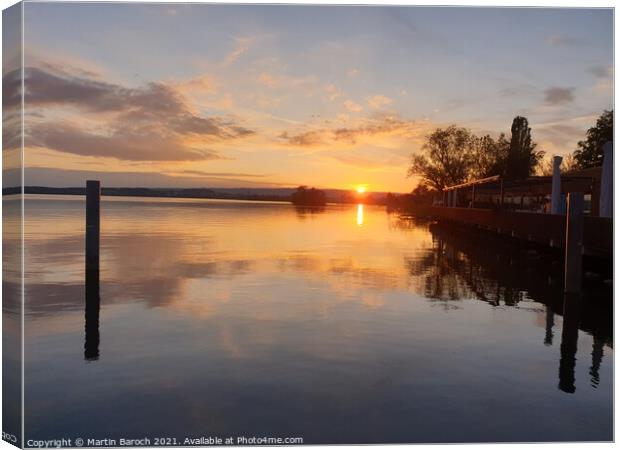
[(91, 316), (568, 348), (249, 305), (549, 324), (597, 358), (308, 211), (360, 215), (464, 263)]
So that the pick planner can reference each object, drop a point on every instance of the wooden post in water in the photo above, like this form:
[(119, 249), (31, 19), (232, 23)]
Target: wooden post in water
[(93, 200), (574, 243), (91, 275)]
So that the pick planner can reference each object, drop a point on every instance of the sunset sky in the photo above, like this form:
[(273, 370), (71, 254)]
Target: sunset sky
[(277, 96)]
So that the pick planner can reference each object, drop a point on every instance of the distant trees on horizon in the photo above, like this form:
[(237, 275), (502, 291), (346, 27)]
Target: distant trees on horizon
[(455, 155), (308, 197)]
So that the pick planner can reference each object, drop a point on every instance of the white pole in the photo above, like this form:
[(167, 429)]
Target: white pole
[(556, 186), (607, 182)]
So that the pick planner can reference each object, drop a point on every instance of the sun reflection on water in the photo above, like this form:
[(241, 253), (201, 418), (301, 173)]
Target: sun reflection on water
[(360, 214)]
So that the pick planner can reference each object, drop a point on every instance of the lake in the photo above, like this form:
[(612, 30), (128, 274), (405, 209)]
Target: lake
[(342, 325)]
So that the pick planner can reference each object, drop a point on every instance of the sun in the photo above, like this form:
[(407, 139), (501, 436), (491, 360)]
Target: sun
[(361, 189)]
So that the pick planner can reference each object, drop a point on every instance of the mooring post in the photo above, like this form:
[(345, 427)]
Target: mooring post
[(572, 290), (91, 275), (93, 200), (574, 243)]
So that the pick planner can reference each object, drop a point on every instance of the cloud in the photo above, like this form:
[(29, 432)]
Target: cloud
[(378, 130), (43, 176), (558, 95), (203, 173), (198, 86), (563, 40), (560, 135), (267, 80), (332, 92), (601, 71), (518, 90), (378, 101), (352, 106), (242, 45), (352, 73), (604, 79), (153, 122), (374, 163), (123, 143), (11, 89), (305, 139)]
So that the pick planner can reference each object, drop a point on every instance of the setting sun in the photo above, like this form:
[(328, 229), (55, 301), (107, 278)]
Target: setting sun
[(361, 189)]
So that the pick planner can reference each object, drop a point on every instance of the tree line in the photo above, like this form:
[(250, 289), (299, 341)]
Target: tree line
[(455, 155)]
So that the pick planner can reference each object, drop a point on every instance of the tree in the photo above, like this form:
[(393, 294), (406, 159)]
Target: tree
[(308, 197), (421, 189), (490, 156), (590, 152), (545, 165), (447, 158), (522, 156)]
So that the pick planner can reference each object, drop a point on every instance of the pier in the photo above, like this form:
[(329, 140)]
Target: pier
[(549, 211), (544, 229)]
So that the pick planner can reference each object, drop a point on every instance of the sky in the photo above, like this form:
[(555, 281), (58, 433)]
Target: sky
[(178, 95)]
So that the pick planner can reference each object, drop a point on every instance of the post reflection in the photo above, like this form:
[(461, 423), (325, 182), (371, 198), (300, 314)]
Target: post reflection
[(91, 316), (597, 358), (549, 323), (568, 347), (462, 264)]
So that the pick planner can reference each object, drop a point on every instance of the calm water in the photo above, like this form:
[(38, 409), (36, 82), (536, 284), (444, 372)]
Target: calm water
[(347, 325)]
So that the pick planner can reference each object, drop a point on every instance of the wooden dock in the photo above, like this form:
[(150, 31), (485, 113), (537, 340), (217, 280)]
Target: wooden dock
[(543, 229)]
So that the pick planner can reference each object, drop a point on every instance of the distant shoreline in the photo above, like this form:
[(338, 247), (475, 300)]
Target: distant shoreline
[(334, 196)]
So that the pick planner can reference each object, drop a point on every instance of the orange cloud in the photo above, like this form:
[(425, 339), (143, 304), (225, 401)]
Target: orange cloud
[(242, 45), (378, 101), (267, 80), (378, 130), (149, 123), (352, 106)]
